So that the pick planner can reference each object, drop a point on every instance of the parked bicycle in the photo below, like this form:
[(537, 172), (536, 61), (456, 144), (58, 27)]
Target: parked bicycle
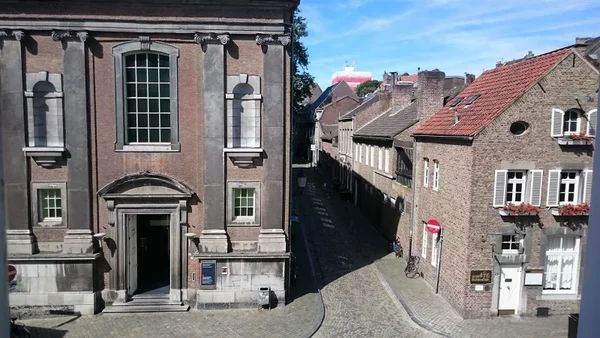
[(397, 248), (412, 267)]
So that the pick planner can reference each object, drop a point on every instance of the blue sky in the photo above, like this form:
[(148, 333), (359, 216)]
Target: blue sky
[(452, 35)]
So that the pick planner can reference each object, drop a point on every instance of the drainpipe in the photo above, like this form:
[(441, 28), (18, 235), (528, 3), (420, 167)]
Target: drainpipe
[(589, 325), (4, 307)]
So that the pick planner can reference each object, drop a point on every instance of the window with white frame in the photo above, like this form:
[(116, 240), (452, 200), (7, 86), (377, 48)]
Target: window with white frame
[(424, 241), (436, 175), (360, 152), (367, 156), (425, 172), (146, 96), (572, 122), (434, 249), (379, 158), (49, 206), (510, 244), (243, 204), (355, 155), (515, 186), (569, 187), (562, 264)]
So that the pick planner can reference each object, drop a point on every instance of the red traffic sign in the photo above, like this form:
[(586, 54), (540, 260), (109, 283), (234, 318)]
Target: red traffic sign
[(433, 226), (12, 273)]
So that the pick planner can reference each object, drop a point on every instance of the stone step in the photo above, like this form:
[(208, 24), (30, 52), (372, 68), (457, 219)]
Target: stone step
[(145, 307), (151, 296)]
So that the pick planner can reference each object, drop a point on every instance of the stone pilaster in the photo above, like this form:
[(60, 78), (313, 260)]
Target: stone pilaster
[(78, 238), (214, 236), (272, 237), (18, 234)]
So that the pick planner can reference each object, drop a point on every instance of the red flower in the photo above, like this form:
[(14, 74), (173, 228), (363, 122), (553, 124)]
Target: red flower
[(581, 136), (574, 209), (521, 209)]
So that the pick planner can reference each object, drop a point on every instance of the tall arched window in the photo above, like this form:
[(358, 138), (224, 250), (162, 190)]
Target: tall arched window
[(243, 111), (146, 96)]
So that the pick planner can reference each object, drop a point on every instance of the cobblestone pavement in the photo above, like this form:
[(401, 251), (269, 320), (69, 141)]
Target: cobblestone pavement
[(352, 253), (356, 302)]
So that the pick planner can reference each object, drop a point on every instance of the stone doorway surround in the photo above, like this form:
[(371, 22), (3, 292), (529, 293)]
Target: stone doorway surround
[(147, 193)]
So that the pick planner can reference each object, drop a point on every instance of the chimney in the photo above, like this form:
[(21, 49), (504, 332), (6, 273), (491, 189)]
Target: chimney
[(582, 40), (469, 78), (430, 93)]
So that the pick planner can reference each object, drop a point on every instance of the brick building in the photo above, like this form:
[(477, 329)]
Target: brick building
[(505, 167), (146, 151)]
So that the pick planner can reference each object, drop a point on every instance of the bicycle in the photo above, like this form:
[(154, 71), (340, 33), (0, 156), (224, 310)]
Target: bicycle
[(412, 267)]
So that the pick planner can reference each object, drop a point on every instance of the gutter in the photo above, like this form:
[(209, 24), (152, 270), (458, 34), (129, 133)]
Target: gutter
[(450, 137)]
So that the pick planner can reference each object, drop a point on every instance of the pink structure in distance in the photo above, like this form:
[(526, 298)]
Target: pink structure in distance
[(351, 77)]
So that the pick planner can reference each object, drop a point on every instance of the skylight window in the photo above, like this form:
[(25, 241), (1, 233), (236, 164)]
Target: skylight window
[(456, 102), (471, 99)]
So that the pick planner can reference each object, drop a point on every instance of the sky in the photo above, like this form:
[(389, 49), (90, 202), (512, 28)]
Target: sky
[(455, 36)]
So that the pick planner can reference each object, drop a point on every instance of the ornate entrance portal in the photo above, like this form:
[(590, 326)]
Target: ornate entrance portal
[(139, 205)]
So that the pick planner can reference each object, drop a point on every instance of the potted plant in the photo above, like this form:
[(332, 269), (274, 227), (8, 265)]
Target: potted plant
[(520, 209), (581, 137), (573, 210)]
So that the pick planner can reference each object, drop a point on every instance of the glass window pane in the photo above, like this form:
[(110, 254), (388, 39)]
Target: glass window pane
[(152, 60), (569, 243), (165, 120), (131, 135), (142, 90), (141, 75), (143, 135), (130, 60), (164, 75), (131, 105), (164, 90), (130, 90), (152, 75), (142, 105), (130, 75), (143, 120), (153, 105), (131, 120), (566, 273), (153, 120), (154, 135), (165, 105), (153, 90), (59, 212), (165, 135), (141, 59), (164, 60)]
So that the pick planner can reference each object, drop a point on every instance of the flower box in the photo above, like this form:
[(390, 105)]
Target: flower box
[(580, 139), (582, 209), (521, 209)]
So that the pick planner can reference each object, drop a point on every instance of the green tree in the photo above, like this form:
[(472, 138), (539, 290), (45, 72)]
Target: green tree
[(302, 81), (367, 87)]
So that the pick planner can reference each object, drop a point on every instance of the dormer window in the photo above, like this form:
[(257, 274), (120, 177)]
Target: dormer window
[(471, 99)]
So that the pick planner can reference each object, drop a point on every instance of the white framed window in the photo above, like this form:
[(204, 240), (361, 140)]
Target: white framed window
[(243, 204), (360, 152), (424, 241), (425, 172), (510, 244), (367, 156), (562, 264), (436, 175), (434, 249), (49, 205), (379, 158), (515, 186), (568, 192), (355, 155), (572, 122)]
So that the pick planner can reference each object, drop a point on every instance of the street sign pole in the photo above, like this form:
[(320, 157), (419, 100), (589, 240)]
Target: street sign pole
[(439, 260)]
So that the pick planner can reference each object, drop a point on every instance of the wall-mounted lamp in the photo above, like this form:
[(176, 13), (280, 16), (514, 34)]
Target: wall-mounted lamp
[(99, 237)]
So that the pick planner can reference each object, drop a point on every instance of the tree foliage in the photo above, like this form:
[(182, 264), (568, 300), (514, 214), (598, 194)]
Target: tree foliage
[(367, 87), (302, 81)]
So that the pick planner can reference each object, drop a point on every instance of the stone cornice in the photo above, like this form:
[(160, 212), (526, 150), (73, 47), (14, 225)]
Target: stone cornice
[(212, 38), (59, 35), (269, 39), (15, 34)]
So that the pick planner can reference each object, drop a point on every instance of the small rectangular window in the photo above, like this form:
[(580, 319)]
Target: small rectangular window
[(471, 99), (510, 244), (50, 203), (456, 102), (434, 249), (569, 187), (515, 186), (425, 172), (424, 241), (404, 166), (562, 265), (243, 204), (436, 175)]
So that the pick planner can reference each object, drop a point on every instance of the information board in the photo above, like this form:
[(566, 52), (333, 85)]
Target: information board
[(209, 270)]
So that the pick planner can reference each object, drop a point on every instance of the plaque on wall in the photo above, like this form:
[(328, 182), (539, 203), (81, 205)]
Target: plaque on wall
[(208, 272), (481, 276)]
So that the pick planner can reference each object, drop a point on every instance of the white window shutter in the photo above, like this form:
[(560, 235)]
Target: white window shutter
[(592, 119), (587, 186), (558, 117), (553, 187), (500, 188), (535, 194)]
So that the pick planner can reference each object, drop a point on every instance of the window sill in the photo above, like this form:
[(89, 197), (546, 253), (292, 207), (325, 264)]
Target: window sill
[(567, 141), (45, 156), (556, 212), (50, 224), (244, 157), (151, 148), (241, 224), (558, 296), (503, 212), (384, 174)]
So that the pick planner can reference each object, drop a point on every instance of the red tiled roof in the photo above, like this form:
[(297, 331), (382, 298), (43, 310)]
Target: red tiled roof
[(498, 87)]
